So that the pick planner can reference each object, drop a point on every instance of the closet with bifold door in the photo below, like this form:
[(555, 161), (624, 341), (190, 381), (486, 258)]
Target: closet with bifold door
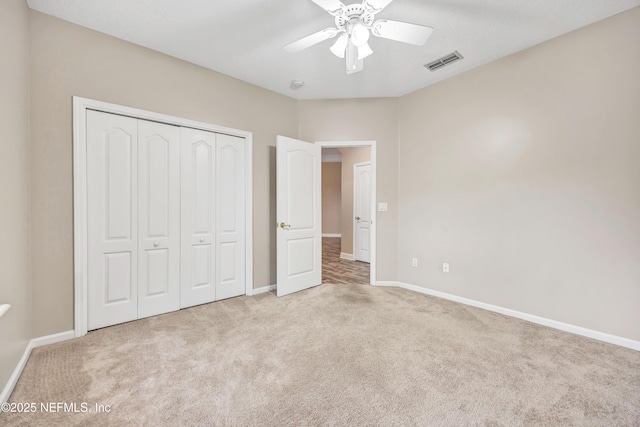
[(165, 217)]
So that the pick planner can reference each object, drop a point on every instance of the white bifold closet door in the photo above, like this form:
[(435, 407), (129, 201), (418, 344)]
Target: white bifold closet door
[(213, 206), (198, 217), (166, 218), (112, 165), (158, 218), (230, 217), (133, 193)]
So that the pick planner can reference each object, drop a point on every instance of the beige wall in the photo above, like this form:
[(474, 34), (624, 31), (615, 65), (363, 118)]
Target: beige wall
[(15, 289), (524, 175), (69, 60), (359, 120), (331, 197), (350, 156)]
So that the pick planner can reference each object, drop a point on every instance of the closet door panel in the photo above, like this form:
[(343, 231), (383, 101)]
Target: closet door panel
[(111, 219), (159, 218), (230, 224), (198, 217)]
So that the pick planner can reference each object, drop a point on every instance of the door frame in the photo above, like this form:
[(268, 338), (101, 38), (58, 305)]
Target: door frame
[(80, 231), (355, 166), (373, 199)]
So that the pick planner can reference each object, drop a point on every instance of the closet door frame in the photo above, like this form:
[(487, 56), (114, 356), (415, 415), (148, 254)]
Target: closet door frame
[(80, 206)]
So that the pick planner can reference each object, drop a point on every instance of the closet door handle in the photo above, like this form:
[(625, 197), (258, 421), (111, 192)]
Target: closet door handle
[(156, 244), (201, 240)]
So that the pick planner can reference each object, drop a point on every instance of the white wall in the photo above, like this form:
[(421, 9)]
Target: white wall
[(15, 289), (524, 175)]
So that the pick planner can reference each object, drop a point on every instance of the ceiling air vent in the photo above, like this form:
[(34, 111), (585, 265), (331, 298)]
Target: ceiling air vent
[(445, 60)]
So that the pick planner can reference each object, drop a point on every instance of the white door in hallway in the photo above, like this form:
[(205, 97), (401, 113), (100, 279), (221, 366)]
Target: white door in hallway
[(362, 211), (299, 227), (112, 219)]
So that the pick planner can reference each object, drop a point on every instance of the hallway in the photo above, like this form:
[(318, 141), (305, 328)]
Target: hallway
[(341, 271)]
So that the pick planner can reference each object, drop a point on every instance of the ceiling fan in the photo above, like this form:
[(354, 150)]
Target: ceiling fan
[(354, 23)]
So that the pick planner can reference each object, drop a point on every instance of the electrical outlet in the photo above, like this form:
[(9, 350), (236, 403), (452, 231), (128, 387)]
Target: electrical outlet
[(445, 267), (414, 262)]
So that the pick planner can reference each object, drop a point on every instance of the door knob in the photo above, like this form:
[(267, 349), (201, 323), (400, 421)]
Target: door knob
[(283, 225), (156, 244), (357, 218), (201, 240)]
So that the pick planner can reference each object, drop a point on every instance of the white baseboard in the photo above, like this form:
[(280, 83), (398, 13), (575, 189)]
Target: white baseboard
[(34, 343), (264, 289), (331, 235), (52, 339), (13, 379), (347, 256), (567, 327)]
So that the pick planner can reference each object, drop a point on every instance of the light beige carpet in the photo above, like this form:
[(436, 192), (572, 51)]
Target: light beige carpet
[(333, 355)]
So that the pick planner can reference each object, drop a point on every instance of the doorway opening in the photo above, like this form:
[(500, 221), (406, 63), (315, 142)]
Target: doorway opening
[(348, 212)]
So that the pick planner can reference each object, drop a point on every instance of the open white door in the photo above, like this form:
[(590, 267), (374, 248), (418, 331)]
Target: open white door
[(298, 194)]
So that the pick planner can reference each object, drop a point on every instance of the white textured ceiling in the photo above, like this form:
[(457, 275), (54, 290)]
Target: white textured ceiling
[(244, 38)]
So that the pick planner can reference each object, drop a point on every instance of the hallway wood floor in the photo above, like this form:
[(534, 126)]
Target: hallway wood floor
[(341, 271)]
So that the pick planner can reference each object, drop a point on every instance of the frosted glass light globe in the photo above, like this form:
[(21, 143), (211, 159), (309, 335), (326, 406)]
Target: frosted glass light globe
[(359, 35)]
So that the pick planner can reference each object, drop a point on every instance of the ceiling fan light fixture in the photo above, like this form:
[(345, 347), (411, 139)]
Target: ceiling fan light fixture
[(364, 51), (355, 24), (340, 45), (359, 34), (354, 64)]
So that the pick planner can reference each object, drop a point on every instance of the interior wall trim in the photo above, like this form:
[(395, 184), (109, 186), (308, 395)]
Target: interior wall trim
[(566, 327), (331, 235), (34, 343), (348, 257)]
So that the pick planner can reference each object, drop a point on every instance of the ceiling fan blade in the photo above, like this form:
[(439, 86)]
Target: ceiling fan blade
[(339, 47), (310, 40), (354, 64), (376, 6), (332, 6), (401, 31)]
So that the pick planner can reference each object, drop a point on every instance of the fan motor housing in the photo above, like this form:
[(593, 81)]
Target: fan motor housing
[(354, 11)]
